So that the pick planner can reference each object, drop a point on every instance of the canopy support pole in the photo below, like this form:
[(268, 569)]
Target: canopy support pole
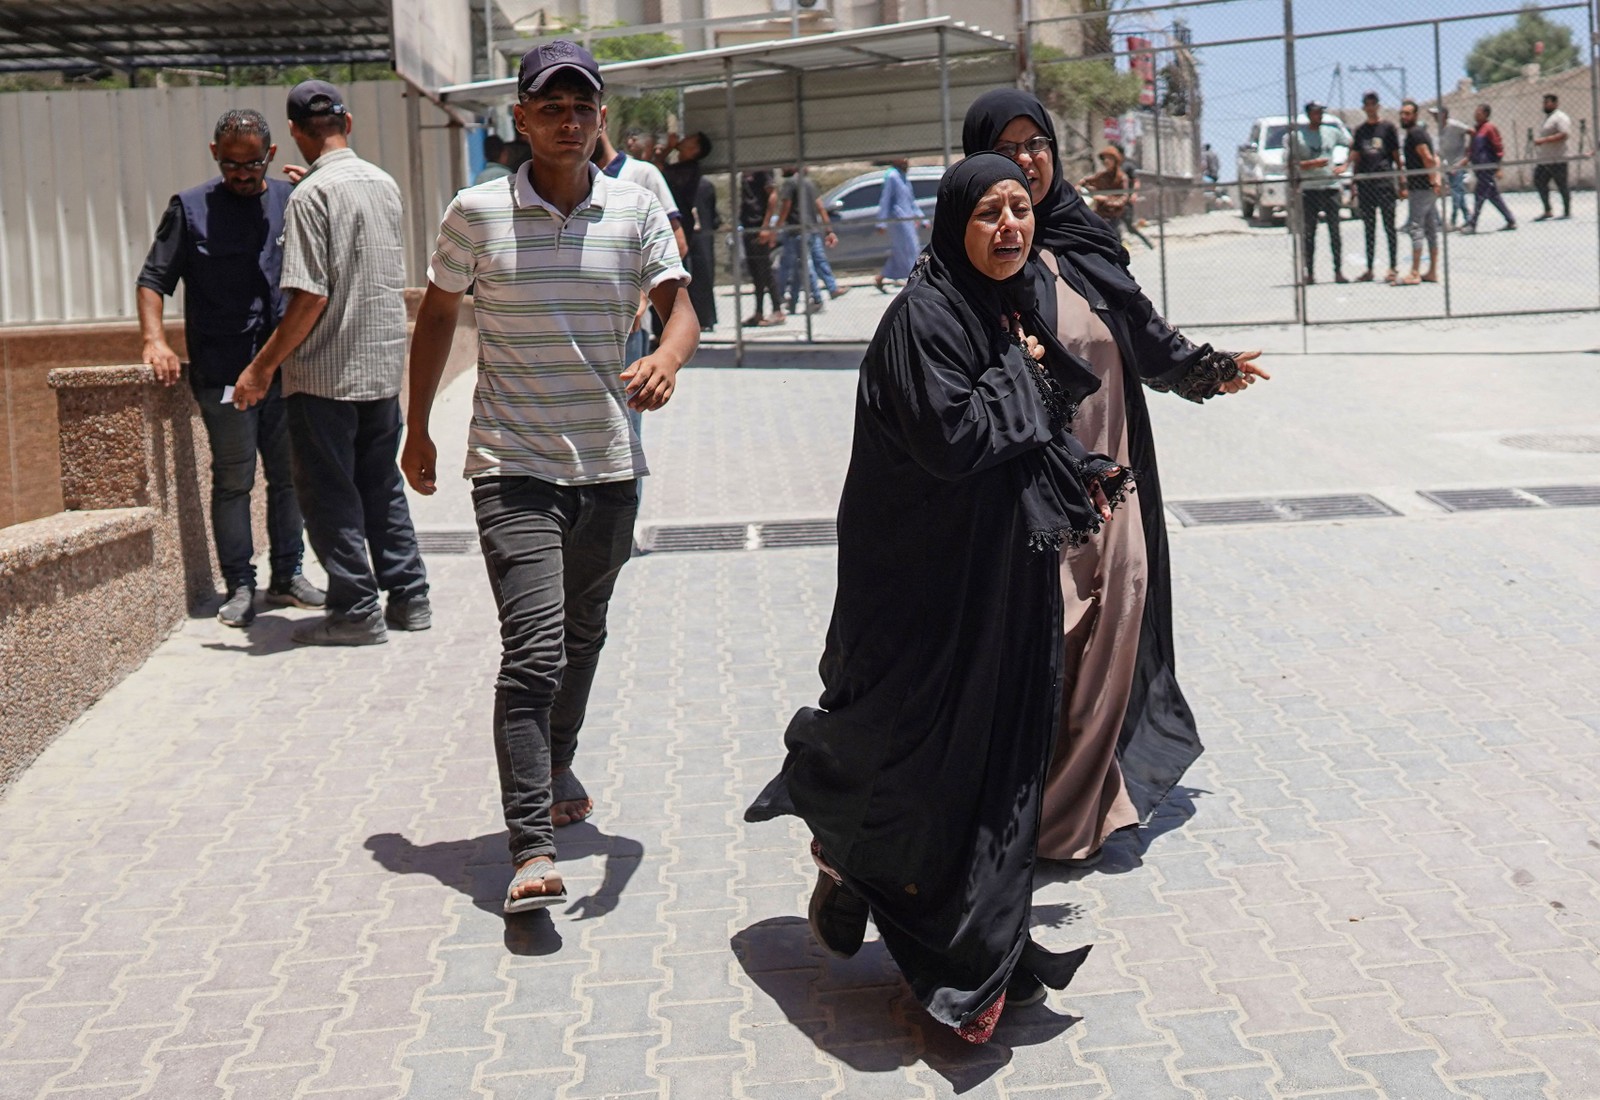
[(944, 96), (735, 195)]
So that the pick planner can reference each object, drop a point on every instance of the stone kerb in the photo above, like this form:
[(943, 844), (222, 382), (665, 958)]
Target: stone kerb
[(87, 594)]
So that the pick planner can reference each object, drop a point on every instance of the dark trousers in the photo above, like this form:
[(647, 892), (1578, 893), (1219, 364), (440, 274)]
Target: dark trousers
[(1486, 188), (1546, 174), (1316, 205), (758, 258), (235, 438), (1377, 199), (353, 500), (553, 554)]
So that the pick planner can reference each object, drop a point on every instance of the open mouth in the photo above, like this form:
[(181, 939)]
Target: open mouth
[(1007, 251)]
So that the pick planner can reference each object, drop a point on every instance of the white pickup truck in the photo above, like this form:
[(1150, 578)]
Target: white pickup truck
[(1263, 177)]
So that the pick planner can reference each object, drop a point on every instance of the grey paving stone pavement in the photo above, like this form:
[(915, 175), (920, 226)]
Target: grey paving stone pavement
[(258, 871)]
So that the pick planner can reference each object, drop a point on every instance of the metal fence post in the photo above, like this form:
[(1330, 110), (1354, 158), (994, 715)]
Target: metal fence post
[(1161, 199), (1294, 216), (1446, 190), (735, 200), (807, 213), (1594, 103)]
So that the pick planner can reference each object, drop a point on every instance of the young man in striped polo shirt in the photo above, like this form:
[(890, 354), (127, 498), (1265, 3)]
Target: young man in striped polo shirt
[(560, 253)]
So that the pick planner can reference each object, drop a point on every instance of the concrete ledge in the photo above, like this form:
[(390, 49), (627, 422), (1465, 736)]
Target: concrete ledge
[(81, 606), (28, 546)]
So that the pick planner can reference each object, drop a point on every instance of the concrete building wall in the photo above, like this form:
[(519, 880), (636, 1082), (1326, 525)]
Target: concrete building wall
[(88, 173)]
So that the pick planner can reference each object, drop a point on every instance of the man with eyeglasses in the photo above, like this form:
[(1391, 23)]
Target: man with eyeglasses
[(223, 241)]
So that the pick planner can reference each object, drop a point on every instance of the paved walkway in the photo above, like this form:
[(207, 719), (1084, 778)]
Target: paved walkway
[(259, 871)]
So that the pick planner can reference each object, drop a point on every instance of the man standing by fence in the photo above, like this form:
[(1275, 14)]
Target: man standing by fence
[(1421, 189), (1375, 156), (223, 239), (1550, 150), (342, 345), (1312, 145)]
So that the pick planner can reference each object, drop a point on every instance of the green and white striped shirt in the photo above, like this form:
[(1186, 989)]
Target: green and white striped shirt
[(555, 299)]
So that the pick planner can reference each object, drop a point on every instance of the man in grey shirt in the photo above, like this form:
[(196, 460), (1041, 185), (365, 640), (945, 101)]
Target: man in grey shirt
[(342, 345), (1313, 147), (1550, 151), (1455, 142)]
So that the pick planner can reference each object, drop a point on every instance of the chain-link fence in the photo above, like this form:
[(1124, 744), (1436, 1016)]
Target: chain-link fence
[(1229, 199), (1240, 208)]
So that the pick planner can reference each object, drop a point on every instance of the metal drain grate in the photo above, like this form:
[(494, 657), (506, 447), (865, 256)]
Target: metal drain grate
[(711, 536), (1196, 513), (448, 542), (1480, 500), (1568, 496), (799, 532), (1572, 443)]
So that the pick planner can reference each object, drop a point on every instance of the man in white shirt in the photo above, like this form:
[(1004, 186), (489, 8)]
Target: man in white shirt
[(559, 259), (619, 165), (1550, 152)]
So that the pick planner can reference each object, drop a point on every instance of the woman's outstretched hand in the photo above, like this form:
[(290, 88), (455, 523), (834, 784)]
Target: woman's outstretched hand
[(1248, 372)]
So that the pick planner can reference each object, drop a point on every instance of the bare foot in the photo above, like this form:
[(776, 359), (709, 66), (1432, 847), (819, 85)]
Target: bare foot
[(534, 886), (571, 812)]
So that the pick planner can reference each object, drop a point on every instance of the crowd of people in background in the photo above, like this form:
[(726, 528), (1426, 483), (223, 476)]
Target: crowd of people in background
[(1389, 162)]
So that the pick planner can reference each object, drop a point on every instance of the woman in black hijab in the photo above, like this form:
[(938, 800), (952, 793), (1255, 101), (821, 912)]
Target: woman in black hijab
[(1127, 734), (919, 772)]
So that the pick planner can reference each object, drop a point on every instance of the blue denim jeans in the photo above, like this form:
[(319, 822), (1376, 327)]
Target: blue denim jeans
[(789, 268), (1458, 195), (235, 438), (354, 501), (553, 553)]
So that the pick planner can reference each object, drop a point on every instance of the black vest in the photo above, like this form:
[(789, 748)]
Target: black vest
[(235, 257)]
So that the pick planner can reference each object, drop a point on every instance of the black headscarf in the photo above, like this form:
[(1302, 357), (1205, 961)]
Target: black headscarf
[(980, 301), (1065, 224), (1051, 479)]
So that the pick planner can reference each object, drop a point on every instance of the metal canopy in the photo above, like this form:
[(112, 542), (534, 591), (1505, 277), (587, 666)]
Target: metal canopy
[(134, 34), (893, 44)]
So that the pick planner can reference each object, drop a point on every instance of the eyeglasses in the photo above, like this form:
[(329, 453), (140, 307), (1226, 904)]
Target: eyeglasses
[(243, 165), (1035, 145)]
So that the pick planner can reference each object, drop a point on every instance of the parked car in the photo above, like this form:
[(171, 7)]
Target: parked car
[(1263, 175), (853, 207)]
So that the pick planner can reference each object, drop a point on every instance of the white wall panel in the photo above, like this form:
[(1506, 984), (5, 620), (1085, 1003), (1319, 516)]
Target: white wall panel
[(85, 176)]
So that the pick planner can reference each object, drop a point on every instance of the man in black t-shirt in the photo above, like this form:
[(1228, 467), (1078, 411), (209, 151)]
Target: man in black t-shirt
[(1421, 188), (1376, 156)]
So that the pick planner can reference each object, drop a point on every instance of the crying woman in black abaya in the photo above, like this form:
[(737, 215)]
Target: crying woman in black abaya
[(920, 769)]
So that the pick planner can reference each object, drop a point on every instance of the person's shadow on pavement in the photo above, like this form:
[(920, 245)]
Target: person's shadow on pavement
[(267, 636), (480, 869), (860, 1011), (1124, 850)]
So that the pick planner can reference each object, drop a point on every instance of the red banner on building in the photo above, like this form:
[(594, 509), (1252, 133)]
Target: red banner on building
[(1142, 60)]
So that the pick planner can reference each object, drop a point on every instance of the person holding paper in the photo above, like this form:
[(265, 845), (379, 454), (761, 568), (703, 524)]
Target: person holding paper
[(224, 241)]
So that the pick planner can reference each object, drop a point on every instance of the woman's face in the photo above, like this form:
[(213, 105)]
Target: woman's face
[(1036, 166), (1000, 230)]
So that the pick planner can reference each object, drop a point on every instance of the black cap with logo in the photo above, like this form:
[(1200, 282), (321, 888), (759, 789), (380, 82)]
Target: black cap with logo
[(542, 62)]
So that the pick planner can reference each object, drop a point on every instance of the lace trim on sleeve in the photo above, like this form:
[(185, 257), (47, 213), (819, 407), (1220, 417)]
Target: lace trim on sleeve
[(1203, 380)]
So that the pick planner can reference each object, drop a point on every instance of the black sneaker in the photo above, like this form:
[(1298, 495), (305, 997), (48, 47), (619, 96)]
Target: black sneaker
[(240, 608), (332, 630), (296, 592), (413, 614), (837, 917)]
